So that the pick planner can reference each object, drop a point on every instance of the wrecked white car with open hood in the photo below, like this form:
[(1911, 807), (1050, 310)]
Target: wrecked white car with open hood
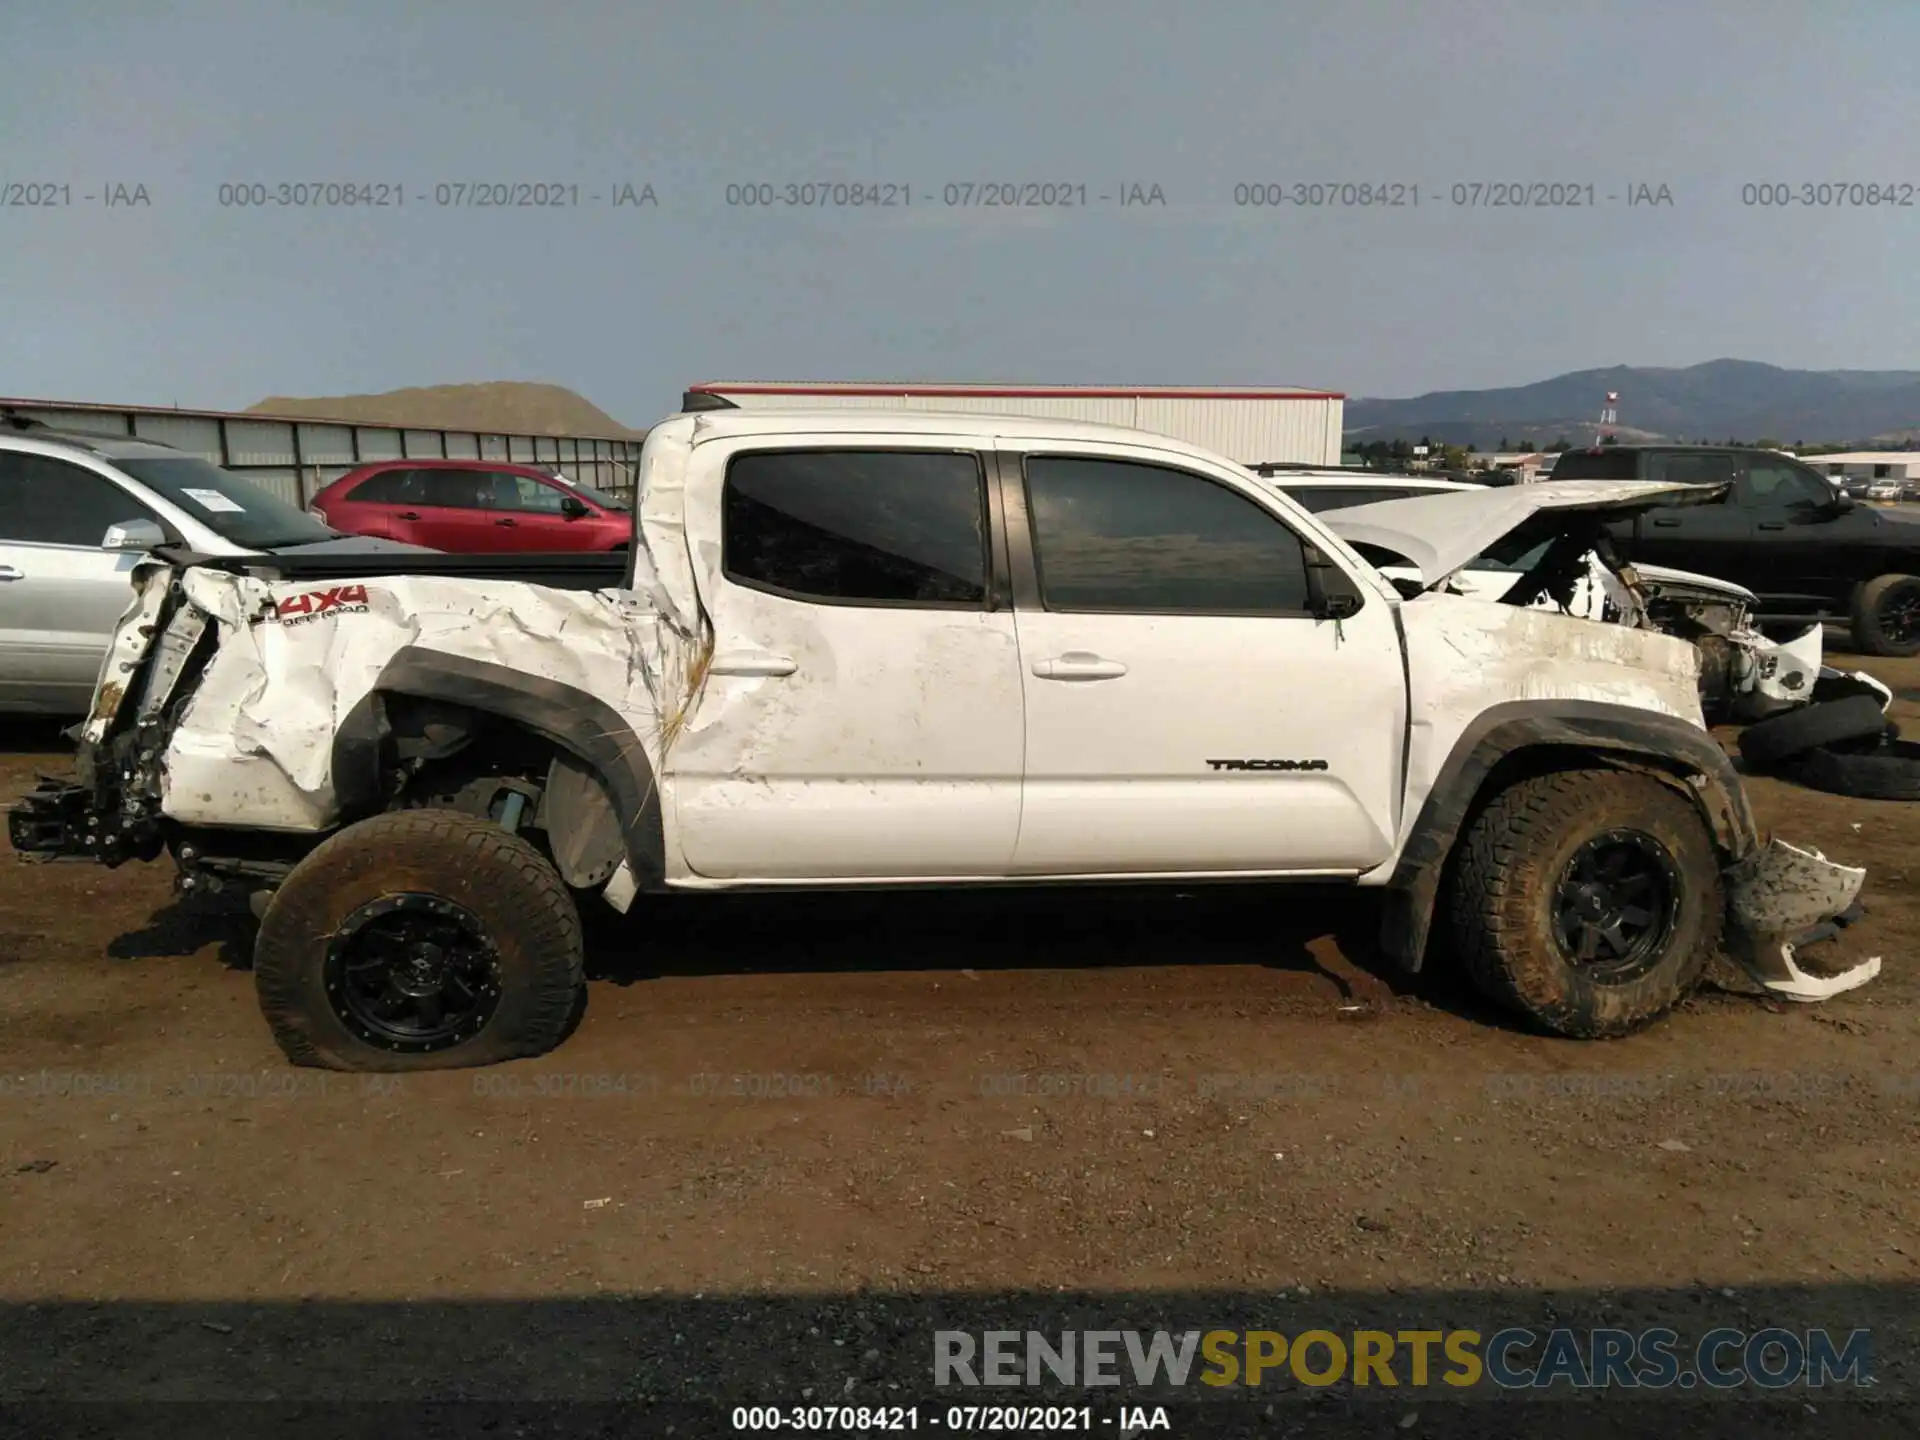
[(912, 650)]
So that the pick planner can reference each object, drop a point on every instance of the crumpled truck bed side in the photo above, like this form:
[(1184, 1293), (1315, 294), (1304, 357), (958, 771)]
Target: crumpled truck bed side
[(254, 745)]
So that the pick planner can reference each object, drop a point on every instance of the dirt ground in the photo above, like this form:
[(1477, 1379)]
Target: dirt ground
[(792, 1138)]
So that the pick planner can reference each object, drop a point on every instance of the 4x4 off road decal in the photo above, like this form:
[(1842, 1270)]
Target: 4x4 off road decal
[(313, 604), (1267, 764)]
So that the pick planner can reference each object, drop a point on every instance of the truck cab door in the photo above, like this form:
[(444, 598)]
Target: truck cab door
[(1186, 709), (862, 715), (1799, 533)]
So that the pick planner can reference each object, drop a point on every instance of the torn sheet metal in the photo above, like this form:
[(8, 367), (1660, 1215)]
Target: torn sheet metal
[(254, 746), (1784, 673), (1780, 892)]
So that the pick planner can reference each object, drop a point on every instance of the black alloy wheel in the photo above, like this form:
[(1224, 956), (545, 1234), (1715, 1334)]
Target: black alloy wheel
[(1614, 905), (412, 974)]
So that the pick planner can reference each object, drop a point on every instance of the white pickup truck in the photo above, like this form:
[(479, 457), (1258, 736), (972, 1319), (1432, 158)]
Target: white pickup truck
[(920, 650)]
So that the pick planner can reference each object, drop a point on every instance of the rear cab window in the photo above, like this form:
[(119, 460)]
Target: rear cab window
[(859, 527), (1605, 463)]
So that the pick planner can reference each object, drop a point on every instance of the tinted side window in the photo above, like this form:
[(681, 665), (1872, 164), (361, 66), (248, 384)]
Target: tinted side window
[(858, 526), (1116, 535), (523, 492), (1331, 497), (387, 487), (1778, 484), (1682, 469), (1602, 464), (452, 489), (44, 501)]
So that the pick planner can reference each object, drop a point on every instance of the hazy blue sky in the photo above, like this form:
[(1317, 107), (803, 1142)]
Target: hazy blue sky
[(190, 302)]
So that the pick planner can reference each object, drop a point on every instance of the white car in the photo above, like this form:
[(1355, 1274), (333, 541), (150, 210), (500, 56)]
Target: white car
[(76, 514), (1744, 675), (876, 650)]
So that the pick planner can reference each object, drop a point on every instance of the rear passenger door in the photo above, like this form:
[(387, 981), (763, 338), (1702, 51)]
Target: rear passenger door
[(61, 594), (861, 717), (1186, 710), (450, 512)]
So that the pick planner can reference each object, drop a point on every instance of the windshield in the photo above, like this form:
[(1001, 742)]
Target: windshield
[(599, 497), (236, 509)]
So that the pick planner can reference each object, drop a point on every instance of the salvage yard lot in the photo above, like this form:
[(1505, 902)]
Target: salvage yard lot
[(980, 1104)]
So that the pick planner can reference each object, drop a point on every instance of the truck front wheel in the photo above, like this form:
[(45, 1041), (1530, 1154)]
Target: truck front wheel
[(1886, 616), (1587, 900), (419, 940)]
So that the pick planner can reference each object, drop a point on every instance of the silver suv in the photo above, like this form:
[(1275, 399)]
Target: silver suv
[(76, 512)]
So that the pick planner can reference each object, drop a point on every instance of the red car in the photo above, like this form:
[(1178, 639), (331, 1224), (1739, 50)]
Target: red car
[(466, 506)]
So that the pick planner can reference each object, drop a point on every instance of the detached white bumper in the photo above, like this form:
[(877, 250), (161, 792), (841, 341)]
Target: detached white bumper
[(1778, 893)]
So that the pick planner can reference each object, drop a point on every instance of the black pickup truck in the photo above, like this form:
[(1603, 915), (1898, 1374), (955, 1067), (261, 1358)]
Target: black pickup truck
[(1784, 532)]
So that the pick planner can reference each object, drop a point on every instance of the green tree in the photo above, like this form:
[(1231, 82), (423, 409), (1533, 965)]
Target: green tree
[(1563, 443)]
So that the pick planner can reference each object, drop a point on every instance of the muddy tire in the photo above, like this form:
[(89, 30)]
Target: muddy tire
[(1886, 616), (419, 940), (1587, 901)]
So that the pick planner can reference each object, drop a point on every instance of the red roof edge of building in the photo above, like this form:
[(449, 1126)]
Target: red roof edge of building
[(1012, 392)]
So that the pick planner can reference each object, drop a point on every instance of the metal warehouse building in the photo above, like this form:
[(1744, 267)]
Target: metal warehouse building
[(295, 458), (1248, 424)]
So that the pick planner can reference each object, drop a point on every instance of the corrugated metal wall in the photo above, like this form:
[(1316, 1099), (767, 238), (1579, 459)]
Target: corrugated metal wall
[(294, 459), (1302, 431)]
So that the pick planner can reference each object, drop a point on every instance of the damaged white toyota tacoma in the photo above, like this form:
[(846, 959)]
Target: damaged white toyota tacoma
[(926, 650)]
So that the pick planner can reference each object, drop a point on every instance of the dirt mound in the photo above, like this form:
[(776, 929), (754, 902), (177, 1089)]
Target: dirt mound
[(515, 407)]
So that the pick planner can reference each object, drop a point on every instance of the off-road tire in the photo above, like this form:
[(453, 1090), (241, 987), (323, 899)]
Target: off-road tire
[(520, 900), (1870, 603), (1890, 771), (1506, 872), (1778, 739)]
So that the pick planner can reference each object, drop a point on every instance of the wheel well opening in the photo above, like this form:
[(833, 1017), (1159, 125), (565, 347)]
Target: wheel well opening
[(456, 757), (1532, 761)]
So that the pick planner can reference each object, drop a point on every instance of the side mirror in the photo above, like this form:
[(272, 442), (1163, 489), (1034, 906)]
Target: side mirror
[(574, 508), (1842, 503), (136, 535)]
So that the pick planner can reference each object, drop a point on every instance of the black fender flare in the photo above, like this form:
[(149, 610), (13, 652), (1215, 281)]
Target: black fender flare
[(580, 723), (1548, 731)]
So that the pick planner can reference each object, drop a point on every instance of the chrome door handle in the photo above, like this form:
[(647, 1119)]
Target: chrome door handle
[(1078, 665), (7, 572), (751, 662)]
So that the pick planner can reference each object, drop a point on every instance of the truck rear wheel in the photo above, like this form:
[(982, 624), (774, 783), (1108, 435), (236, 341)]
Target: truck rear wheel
[(1587, 901), (1886, 616), (419, 940)]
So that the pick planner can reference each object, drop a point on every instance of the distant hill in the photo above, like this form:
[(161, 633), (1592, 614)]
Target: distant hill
[(1718, 400), (516, 406)]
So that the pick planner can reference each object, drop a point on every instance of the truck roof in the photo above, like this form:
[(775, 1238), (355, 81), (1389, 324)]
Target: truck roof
[(700, 426)]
